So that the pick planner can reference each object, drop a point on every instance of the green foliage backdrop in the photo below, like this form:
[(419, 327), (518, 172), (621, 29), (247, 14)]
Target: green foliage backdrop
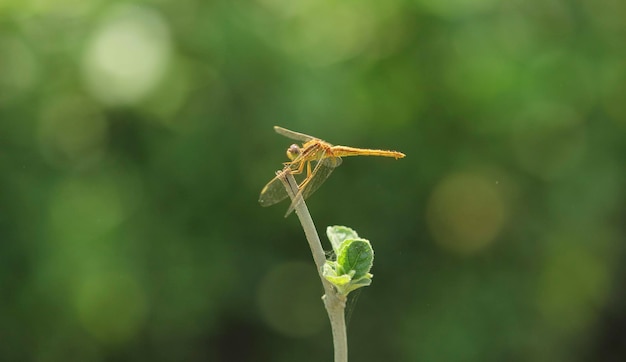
[(136, 136)]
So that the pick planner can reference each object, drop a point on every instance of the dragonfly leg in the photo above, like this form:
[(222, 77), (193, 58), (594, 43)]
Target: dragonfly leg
[(298, 170)]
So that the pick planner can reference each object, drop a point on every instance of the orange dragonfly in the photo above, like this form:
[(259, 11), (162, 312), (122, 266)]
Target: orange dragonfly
[(326, 158)]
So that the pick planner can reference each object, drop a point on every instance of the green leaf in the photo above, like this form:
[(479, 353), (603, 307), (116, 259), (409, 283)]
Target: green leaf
[(329, 271), (355, 258), (338, 234), (356, 284), (356, 255)]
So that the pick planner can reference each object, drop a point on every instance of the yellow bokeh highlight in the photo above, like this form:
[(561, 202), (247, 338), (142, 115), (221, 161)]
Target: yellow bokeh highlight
[(575, 280), (111, 306), (466, 211), (127, 56)]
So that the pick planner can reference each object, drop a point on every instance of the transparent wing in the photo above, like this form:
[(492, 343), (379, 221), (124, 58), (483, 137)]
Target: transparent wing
[(319, 175), (293, 134), (273, 193)]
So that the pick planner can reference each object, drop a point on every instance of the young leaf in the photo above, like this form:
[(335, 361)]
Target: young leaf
[(338, 234), (356, 255), (354, 260)]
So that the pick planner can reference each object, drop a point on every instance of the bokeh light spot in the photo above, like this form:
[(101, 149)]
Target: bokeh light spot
[(84, 208), (289, 299), (325, 32), (72, 131), (111, 306), (324, 40), (455, 8), (613, 88), (127, 55), (465, 212), (168, 99), (574, 281), (289, 8), (479, 70), (18, 68)]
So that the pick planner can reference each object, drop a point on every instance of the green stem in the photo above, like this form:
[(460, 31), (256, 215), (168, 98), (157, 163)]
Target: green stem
[(334, 303)]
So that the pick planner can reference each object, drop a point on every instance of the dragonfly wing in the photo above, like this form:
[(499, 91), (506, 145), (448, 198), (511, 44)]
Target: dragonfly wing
[(293, 134), (273, 193), (320, 173), (332, 162)]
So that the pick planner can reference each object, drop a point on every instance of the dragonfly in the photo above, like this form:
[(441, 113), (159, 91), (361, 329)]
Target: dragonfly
[(319, 158)]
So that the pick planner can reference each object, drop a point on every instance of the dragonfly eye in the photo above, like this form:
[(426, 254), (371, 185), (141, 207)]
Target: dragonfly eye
[(293, 151)]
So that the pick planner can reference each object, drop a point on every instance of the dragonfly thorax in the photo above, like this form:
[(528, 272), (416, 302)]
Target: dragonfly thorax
[(293, 151)]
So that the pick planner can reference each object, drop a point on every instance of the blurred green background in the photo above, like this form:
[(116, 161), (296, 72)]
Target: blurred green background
[(135, 138)]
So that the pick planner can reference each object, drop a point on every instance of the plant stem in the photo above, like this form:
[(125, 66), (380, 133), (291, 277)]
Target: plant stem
[(334, 303)]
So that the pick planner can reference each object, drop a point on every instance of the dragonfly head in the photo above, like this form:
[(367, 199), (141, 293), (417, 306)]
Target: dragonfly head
[(293, 151)]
